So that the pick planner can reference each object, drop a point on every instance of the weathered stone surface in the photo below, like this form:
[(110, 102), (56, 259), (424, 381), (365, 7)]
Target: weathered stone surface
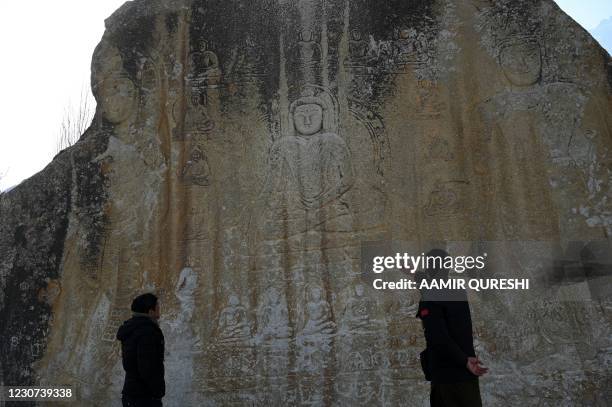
[(243, 150)]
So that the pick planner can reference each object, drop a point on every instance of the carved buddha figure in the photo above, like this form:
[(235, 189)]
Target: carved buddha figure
[(318, 312), (358, 48), (186, 285), (310, 169), (310, 51), (233, 325), (210, 66), (272, 316), (442, 200), (405, 45), (515, 122), (204, 77), (196, 170), (359, 310)]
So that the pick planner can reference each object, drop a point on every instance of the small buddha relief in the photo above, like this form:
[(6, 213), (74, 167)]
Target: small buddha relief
[(318, 315), (232, 324), (196, 170), (272, 316)]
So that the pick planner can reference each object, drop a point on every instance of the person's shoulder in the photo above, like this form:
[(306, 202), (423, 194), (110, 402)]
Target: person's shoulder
[(431, 303), (457, 306), (147, 325), (427, 308), (150, 334)]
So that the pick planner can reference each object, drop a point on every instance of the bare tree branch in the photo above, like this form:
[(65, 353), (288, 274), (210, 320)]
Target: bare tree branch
[(75, 121), (2, 175)]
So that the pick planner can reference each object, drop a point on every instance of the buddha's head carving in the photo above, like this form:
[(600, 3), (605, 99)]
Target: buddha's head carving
[(273, 295), (521, 61), (311, 114), (306, 35), (233, 300), (315, 294), (355, 35), (112, 87), (308, 119)]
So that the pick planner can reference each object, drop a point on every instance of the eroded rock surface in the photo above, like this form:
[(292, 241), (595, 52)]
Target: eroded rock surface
[(241, 153)]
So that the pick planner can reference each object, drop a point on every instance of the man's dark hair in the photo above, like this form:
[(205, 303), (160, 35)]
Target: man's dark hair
[(143, 303)]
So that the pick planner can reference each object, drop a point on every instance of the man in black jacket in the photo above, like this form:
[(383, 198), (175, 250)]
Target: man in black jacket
[(142, 350), (449, 361)]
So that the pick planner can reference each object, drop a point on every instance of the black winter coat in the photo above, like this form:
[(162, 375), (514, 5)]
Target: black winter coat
[(448, 333), (142, 351)]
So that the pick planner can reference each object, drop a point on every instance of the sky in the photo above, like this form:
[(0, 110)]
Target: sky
[(588, 13), (46, 48)]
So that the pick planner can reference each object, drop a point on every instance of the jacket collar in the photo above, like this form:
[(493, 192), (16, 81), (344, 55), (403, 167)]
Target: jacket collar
[(142, 314)]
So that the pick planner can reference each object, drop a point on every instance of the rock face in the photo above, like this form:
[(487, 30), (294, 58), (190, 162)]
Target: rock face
[(241, 153)]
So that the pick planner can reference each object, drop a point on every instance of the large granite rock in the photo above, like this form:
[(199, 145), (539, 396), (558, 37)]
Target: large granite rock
[(241, 153)]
